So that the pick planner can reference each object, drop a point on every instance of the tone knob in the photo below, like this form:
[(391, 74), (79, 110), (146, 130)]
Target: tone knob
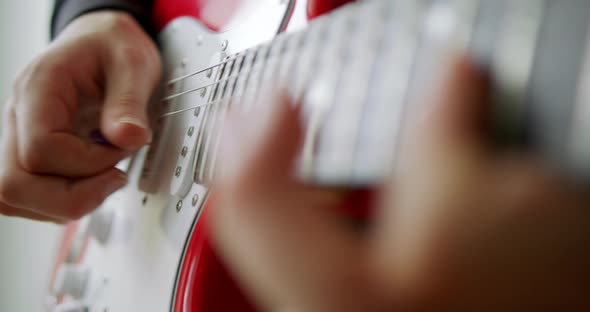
[(100, 224), (72, 279), (71, 307)]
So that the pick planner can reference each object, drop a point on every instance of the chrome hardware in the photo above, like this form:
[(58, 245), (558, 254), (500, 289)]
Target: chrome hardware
[(178, 171), (195, 200), (184, 151), (179, 206), (224, 45), (190, 131)]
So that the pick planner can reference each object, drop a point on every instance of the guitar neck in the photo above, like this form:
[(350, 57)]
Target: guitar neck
[(360, 72)]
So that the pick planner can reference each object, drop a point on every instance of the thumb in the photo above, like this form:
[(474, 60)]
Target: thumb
[(131, 78)]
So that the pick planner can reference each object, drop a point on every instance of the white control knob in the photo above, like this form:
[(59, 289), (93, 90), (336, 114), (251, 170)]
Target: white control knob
[(100, 224), (71, 307), (73, 280)]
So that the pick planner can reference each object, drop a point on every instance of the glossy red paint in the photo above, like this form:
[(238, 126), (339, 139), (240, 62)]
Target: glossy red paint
[(316, 8), (215, 14), (204, 284)]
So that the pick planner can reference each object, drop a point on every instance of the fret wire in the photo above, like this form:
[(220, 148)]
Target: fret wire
[(209, 123), (205, 119), (254, 76), (214, 128), (222, 94), (224, 109)]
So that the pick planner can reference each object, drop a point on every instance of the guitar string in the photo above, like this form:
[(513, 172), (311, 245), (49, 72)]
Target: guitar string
[(180, 111), (215, 84), (258, 66), (253, 67), (184, 77), (231, 58)]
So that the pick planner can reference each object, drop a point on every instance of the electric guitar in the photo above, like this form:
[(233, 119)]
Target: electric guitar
[(358, 69)]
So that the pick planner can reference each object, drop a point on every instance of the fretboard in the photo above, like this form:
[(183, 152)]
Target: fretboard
[(361, 72)]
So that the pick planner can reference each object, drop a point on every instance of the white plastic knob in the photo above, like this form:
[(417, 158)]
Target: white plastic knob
[(100, 224), (71, 307), (73, 280)]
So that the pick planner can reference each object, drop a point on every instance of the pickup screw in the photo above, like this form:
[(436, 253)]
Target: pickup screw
[(179, 206), (178, 171), (184, 151)]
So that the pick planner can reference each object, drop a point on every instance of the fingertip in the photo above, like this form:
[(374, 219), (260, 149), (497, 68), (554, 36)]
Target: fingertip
[(129, 133), (116, 180)]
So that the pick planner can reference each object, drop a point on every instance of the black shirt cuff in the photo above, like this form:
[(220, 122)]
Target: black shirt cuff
[(67, 10)]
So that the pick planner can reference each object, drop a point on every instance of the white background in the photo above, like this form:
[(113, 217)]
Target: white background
[(26, 248)]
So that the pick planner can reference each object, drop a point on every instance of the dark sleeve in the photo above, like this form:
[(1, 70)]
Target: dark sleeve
[(67, 10)]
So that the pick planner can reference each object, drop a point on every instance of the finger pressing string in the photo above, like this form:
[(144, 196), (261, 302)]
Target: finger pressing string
[(278, 234)]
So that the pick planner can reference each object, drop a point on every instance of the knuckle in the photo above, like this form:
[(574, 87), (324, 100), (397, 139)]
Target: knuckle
[(118, 22), (53, 70), (135, 57), (22, 78), (127, 105), (43, 71), (31, 157), (17, 83)]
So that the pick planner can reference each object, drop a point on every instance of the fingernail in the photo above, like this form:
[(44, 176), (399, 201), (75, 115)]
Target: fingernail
[(134, 121), (140, 123), (116, 184)]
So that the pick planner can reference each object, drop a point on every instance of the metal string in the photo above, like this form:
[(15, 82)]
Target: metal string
[(184, 77), (199, 106), (254, 67)]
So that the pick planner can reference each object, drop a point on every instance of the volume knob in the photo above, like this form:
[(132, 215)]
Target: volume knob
[(100, 224), (72, 279)]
